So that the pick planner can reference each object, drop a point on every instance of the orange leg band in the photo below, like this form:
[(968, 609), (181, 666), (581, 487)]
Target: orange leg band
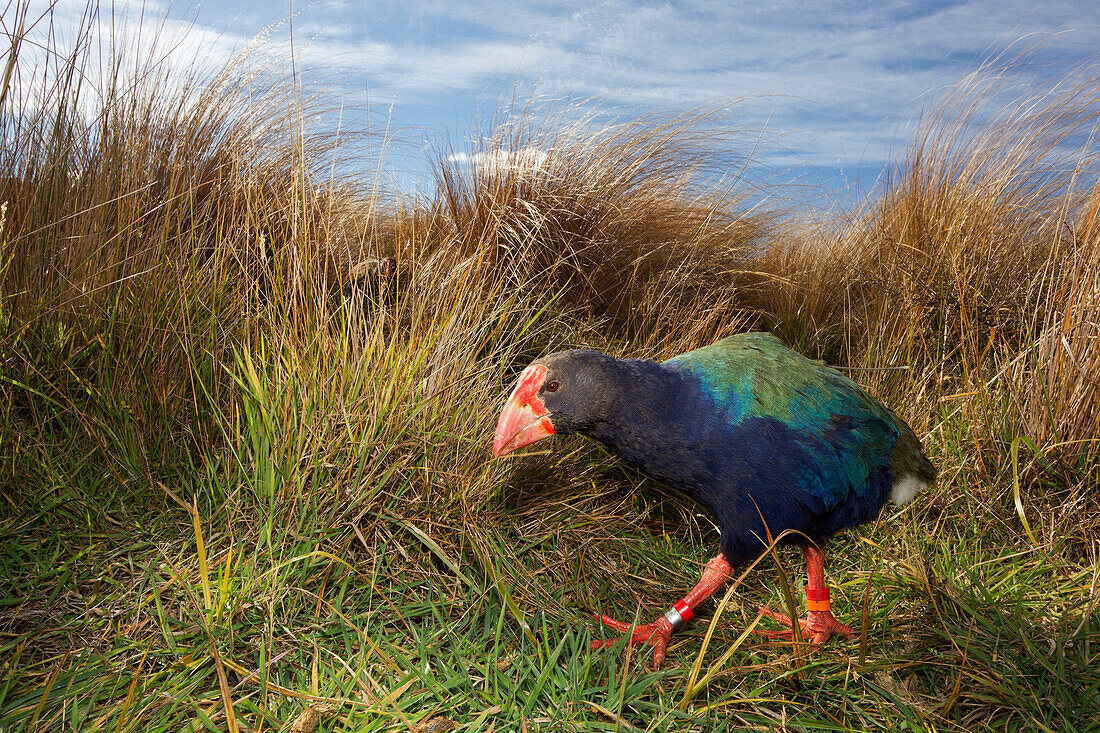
[(817, 599)]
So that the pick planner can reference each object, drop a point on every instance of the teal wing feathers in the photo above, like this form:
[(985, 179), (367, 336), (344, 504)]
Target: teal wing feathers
[(845, 437)]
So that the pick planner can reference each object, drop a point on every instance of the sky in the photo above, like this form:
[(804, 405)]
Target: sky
[(826, 92)]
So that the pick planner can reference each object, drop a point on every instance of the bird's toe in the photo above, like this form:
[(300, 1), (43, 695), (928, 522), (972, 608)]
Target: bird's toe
[(657, 634), (780, 617), (659, 652), (817, 628), (608, 621), (772, 634)]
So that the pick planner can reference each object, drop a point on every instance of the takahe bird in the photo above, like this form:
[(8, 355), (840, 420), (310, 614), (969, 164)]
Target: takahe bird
[(766, 439)]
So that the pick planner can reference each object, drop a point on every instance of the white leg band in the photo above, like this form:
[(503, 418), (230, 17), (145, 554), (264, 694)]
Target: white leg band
[(673, 616)]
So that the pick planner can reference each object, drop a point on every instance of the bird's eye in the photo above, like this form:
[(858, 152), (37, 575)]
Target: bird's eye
[(552, 387)]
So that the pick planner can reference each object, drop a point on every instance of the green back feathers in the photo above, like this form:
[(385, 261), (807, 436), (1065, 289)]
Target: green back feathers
[(850, 435), (757, 375)]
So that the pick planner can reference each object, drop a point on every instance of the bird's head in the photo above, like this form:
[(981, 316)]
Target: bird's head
[(559, 394)]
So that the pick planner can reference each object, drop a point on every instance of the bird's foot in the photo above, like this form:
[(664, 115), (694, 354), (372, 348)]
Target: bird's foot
[(657, 634), (816, 628)]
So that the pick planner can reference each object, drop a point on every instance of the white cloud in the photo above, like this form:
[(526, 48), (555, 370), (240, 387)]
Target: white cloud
[(834, 81), (127, 45), (840, 76), (497, 162)]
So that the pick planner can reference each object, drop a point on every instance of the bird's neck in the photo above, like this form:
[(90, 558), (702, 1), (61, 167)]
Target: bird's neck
[(655, 413)]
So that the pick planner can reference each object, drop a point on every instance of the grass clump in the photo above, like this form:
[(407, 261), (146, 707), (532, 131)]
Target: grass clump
[(245, 409)]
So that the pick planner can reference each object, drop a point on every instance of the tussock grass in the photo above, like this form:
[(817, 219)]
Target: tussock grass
[(246, 474), (615, 217)]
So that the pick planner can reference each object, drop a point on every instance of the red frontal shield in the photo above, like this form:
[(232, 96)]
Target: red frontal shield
[(525, 419)]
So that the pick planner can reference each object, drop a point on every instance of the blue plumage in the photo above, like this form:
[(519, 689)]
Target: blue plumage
[(757, 433), (768, 440)]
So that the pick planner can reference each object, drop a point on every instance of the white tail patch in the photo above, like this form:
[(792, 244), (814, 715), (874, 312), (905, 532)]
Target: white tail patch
[(906, 488)]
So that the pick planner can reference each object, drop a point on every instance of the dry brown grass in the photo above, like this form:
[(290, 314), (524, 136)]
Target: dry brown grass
[(615, 219), (1062, 407), (175, 311), (191, 226), (963, 269), (148, 234)]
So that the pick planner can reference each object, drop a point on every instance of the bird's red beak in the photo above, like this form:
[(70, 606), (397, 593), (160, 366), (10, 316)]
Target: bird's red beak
[(525, 419)]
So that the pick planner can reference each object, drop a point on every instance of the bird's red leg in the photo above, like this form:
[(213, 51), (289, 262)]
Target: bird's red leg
[(819, 623), (658, 633)]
